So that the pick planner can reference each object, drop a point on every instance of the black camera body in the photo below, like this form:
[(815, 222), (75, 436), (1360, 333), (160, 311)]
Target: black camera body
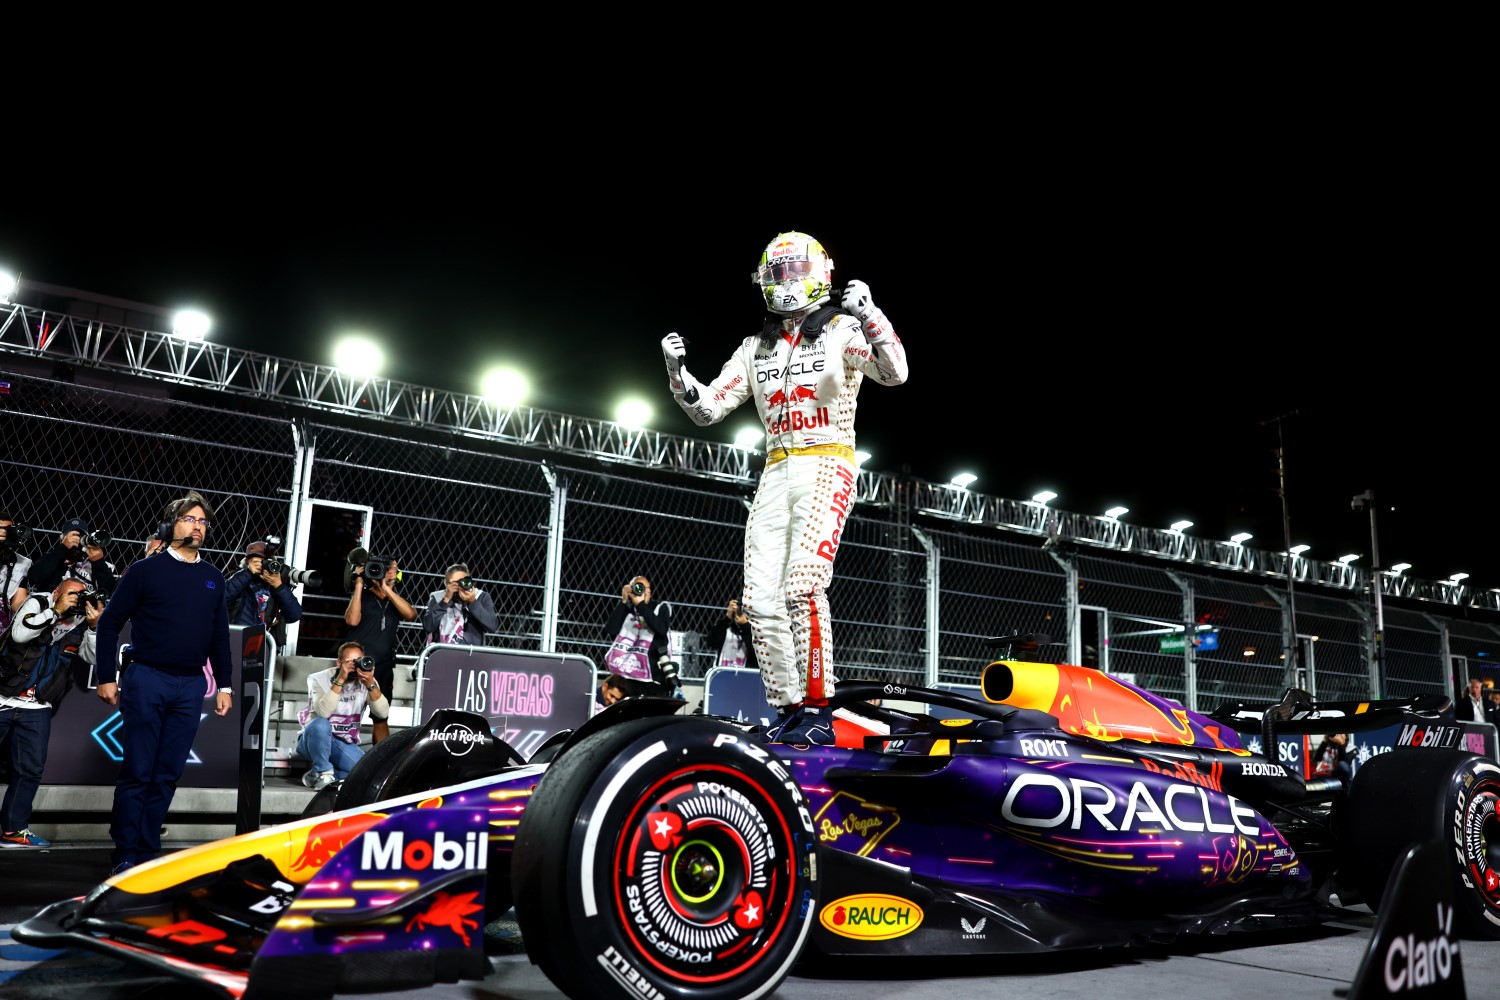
[(98, 539), (375, 567), (271, 564), (16, 535), (91, 595), (466, 584), (638, 588), (365, 664)]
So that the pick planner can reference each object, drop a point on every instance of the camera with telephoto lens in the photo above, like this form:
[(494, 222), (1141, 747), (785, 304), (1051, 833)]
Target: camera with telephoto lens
[(638, 588), (273, 565), (98, 539), (466, 584), (365, 664)]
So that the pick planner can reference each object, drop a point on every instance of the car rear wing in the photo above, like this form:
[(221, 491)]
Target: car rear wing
[(1298, 712)]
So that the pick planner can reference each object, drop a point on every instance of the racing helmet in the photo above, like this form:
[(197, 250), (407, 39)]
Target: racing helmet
[(795, 273)]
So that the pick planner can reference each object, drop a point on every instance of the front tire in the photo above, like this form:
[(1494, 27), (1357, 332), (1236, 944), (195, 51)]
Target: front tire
[(675, 851), (1448, 796)]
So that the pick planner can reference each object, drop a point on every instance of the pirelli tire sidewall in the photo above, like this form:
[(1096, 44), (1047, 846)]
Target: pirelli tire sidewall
[(1447, 796), (666, 857)]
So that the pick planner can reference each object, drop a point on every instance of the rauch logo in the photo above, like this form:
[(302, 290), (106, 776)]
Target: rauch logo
[(871, 916)]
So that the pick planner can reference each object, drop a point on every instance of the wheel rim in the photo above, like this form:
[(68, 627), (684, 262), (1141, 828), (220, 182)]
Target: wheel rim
[(1481, 840), (703, 874)]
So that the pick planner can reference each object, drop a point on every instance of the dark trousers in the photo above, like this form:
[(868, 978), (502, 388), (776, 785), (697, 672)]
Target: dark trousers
[(27, 730), (160, 714)]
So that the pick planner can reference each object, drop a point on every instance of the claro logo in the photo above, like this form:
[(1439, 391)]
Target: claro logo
[(457, 739), (871, 916), (1411, 964)]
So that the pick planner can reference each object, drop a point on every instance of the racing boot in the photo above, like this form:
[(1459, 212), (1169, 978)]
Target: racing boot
[(814, 727), (786, 715)]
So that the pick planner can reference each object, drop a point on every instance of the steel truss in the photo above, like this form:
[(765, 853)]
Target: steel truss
[(39, 333)]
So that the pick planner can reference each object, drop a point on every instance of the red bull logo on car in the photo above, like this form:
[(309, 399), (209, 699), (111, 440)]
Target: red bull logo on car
[(1090, 703)]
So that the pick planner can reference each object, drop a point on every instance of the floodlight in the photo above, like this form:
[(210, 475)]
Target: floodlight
[(1241, 538), (861, 457), (1044, 496), (1117, 512), (1458, 578), (8, 283), (1346, 560), (1399, 568), (505, 387), (1181, 526), (963, 479), (1297, 550), (191, 324), (748, 438), (632, 413), (359, 356)]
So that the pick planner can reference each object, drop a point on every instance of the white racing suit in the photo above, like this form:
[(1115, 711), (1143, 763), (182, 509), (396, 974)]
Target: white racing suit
[(805, 391)]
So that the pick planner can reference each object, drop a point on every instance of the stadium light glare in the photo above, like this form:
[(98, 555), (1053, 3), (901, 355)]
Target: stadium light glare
[(504, 386), (191, 324), (358, 355)]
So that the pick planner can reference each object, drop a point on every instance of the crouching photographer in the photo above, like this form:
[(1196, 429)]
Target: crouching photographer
[(374, 613), (37, 655), (258, 593)]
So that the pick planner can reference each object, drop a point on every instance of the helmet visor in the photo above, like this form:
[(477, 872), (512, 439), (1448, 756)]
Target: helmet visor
[(786, 270)]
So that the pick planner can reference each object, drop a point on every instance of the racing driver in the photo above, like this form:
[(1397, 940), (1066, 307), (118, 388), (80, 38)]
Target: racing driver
[(803, 370)]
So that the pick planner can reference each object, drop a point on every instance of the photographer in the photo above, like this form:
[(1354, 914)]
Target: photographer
[(257, 594), (36, 659), (13, 568), (78, 555), (731, 637), (374, 612), (460, 612), (639, 650), (336, 702)]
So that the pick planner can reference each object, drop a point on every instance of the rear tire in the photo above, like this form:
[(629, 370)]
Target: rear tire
[(1448, 796), (672, 851)]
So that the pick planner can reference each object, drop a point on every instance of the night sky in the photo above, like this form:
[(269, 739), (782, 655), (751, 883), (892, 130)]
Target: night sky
[(1118, 336)]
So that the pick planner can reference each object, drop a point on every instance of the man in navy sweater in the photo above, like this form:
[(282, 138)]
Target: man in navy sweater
[(179, 621)]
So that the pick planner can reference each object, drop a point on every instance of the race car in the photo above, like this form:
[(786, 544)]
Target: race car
[(651, 854)]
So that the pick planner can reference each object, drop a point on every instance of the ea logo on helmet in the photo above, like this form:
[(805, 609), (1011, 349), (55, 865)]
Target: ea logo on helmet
[(457, 739)]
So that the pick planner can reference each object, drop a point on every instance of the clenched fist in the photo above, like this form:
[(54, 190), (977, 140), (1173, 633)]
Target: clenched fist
[(674, 349), (857, 300)]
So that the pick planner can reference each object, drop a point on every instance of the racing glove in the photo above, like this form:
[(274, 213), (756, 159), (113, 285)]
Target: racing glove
[(857, 301), (674, 349)]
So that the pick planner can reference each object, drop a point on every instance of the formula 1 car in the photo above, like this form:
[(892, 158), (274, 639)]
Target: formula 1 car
[(650, 854)]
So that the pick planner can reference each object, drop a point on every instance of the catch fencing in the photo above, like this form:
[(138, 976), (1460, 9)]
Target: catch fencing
[(553, 538)]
